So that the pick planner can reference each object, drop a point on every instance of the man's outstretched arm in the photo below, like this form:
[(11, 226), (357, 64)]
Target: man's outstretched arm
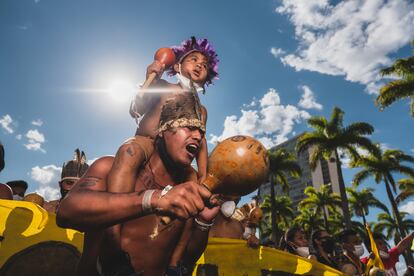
[(89, 206), (405, 243)]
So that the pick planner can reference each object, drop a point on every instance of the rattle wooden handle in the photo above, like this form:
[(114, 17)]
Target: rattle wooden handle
[(149, 80)]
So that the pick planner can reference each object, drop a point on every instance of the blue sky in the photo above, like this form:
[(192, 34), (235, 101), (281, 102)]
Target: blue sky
[(68, 68)]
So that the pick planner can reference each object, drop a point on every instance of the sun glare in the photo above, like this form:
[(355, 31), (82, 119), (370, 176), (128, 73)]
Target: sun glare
[(121, 90)]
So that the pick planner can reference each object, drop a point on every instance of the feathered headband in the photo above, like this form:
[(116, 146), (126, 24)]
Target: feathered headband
[(197, 45), (74, 169)]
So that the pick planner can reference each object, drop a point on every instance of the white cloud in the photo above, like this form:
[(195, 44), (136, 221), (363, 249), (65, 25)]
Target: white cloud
[(35, 135), (308, 100), (271, 122), (5, 123), (37, 122), (277, 52), (35, 140), (48, 178), (347, 39), (408, 207), (19, 137)]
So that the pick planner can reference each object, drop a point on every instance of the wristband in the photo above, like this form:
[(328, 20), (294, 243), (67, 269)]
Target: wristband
[(202, 225), (146, 201)]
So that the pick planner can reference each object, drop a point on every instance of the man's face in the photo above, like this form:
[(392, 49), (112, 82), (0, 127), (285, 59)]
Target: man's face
[(195, 67), (183, 144), (322, 237)]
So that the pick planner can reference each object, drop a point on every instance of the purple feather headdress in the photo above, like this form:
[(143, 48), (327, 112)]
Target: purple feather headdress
[(202, 46)]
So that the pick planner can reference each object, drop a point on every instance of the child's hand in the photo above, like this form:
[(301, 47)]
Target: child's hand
[(155, 67)]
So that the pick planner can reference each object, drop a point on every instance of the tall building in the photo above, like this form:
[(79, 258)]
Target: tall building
[(325, 172)]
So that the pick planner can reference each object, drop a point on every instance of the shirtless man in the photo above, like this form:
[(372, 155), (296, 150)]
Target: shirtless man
[(166, 185), (195, 68)]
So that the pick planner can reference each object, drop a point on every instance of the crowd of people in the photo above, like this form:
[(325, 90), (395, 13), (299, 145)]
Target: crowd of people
[(143, 211), (344, 251)]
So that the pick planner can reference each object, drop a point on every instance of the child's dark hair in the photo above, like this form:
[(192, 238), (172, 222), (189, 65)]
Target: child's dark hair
[(197, 45), (288, 237)]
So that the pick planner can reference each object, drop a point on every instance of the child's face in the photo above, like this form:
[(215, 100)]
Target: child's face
[(195, 67)]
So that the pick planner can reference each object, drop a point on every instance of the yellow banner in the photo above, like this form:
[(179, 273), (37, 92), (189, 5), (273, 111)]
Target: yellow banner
[(25, 224), (233, 257)]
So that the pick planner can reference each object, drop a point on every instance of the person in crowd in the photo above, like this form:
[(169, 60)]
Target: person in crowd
[(240, 223), (352, 250), (19, 188), (34, 198), (72, 171), (294, 241), (390, 256), (324, 246)]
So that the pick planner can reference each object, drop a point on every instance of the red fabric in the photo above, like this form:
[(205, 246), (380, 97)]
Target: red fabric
[(389, 263)]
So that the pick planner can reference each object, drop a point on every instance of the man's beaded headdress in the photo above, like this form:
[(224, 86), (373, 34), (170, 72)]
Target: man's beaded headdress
[(182, 110)]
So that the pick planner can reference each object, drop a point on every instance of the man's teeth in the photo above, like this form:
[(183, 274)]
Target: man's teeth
[(192, 148)]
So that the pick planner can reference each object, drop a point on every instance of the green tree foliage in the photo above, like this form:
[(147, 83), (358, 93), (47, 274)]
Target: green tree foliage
[(406, 187), (381, 166), (282, 164), (361, 201), (331, 136), (402, 88), (322, 202)]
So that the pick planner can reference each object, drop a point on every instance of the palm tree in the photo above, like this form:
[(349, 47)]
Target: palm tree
[(406, 187), (331, 136), (381, 166), (282, 164), (362, 200), (321, 201), (265, 230), (283, 214), (388, 224), (309, 220), (398, 89)]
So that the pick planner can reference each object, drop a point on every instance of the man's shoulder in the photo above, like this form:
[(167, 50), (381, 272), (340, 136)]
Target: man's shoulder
[(102, 164)]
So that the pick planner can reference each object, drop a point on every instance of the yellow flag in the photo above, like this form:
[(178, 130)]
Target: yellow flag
[(376, 262)]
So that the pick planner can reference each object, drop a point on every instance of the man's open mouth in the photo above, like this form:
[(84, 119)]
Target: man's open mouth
[(192, 148)]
